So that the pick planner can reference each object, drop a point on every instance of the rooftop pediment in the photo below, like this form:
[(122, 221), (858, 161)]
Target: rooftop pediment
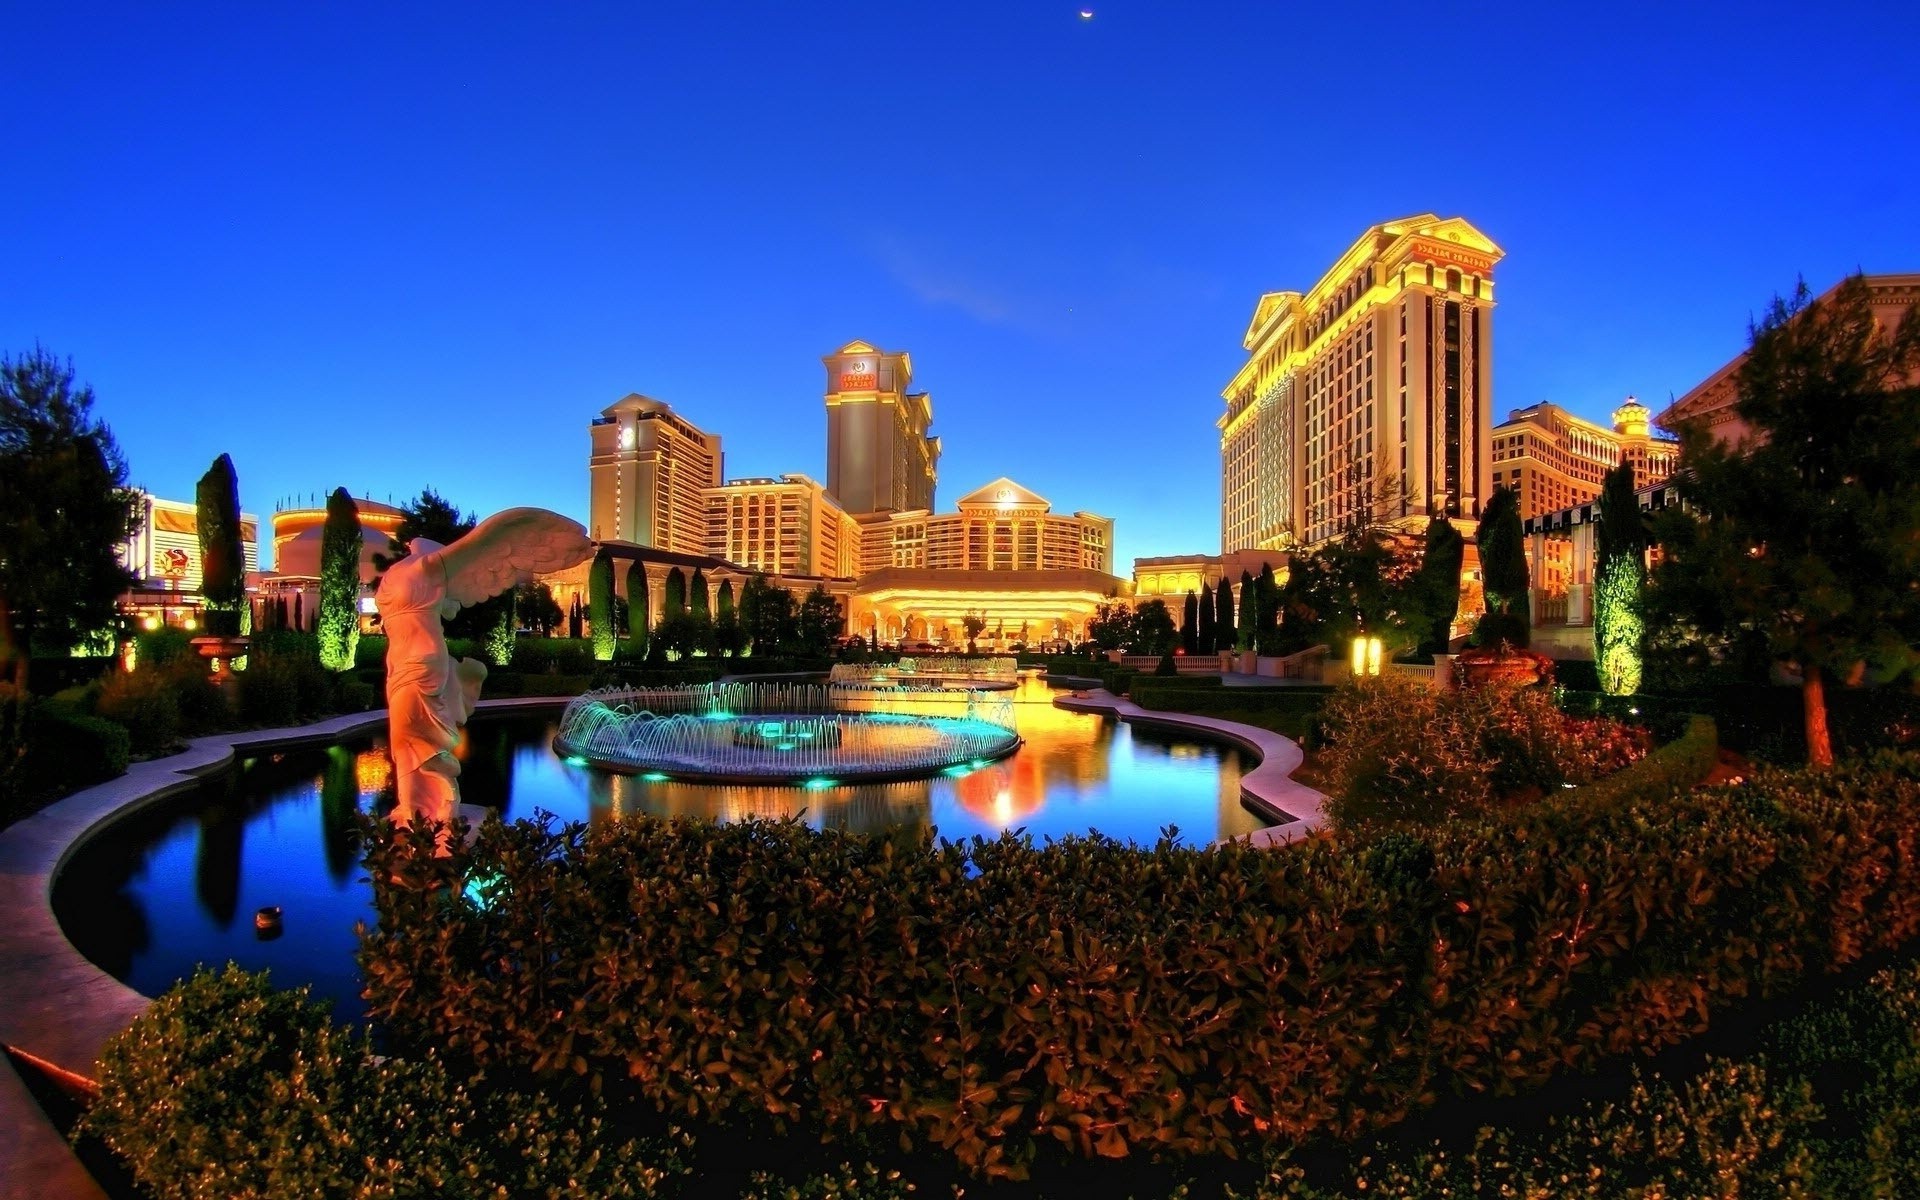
[(1002, 493)]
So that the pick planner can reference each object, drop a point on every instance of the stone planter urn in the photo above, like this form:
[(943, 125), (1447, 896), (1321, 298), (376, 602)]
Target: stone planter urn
[(1504, 665), (220, 650)]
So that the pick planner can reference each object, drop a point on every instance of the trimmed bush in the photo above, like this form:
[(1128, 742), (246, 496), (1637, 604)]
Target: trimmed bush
[(227, 1087), (142, 701), (991, 997), (1399, 753), (1829, 1110), (48, 750), (1683, 762)]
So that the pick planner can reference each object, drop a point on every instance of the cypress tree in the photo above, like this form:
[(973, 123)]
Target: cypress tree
[(1223, 616), (223, 563), (725, 599), (1503, 572), (1190, 625), (697, 598), (675, 598), (1266, 631), (339, 624), (1434, 597), (600, 606), (637, 610), (1619, 629), (574, 619), (299, 618), (1249, 621), (1206, 635)]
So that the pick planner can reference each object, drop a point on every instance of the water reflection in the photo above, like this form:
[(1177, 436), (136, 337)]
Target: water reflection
[(167, 889)]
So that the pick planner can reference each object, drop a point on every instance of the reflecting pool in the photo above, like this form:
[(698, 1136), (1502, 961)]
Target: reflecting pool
[(179, 884)]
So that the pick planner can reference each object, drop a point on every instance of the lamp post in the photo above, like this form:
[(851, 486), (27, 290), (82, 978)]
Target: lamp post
[(1366, 656)]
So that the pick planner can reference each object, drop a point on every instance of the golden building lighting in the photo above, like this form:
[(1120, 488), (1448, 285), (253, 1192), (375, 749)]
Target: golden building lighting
[(784, 526), (1552, 459), (1003, 556), (879, 457), (163, 553), (1373, 389), (648, 476)]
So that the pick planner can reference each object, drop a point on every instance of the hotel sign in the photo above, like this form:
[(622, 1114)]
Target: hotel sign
[(1446, 254), (859, 376)]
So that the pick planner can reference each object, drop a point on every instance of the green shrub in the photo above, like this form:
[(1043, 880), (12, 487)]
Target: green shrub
[(143, 702), (1683, 762), (284, 689), (227, 1087), (1395, 753), (965, 996), (553, 656), (158, 647), (1829, 1109), (48, 750)]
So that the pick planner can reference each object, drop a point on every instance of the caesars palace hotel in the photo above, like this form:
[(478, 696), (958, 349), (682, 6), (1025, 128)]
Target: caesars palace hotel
[(869, 535), (1371, 390)]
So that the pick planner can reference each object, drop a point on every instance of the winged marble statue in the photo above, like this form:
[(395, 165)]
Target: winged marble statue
[(429, 695)]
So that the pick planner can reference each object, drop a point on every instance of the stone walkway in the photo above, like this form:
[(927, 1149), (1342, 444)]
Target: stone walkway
[(56, 1007), (1269, 789)]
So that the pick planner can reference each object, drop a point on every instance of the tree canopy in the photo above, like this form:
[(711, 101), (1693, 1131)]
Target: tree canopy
[(1804, 538), (63, 488)]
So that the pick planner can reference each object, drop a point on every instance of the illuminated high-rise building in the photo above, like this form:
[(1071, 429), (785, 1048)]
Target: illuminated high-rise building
[(879, 457), (648, 475), (1553, 459), (784, 526), (1367, 397)]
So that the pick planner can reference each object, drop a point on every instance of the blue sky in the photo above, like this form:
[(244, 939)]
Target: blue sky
[(391, 246)]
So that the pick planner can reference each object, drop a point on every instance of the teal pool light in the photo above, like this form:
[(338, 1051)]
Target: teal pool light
[(817, 784)]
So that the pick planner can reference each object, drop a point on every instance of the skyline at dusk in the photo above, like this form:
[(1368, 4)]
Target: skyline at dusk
[(304, 237)]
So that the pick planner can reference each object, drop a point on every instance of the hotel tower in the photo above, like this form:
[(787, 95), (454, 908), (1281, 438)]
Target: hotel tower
[(1368, 397), (879, 457), (648, 476)]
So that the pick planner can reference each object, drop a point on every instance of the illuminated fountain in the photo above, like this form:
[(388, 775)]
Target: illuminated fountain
[(786, 733), (982, 671)]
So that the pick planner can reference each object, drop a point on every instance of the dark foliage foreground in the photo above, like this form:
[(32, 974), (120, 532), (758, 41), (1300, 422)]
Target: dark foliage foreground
[(996, 998)]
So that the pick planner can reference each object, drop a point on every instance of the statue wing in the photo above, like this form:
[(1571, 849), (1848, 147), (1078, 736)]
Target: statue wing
[(509, 547)]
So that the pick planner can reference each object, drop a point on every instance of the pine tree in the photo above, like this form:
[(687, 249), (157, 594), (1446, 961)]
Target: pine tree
[(340, 545), (1805, 538)]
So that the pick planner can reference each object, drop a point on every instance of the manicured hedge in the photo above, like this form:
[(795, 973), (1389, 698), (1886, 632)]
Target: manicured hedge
[(226, 1087), (48, 750), (988, 997), (1828, 1110), (1681, 763), (1293, 708)]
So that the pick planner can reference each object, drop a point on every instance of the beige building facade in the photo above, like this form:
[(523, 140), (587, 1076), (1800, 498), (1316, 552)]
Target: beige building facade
[(1553, 459), (648, 475), (784, 526), (1711, 402), (1367, 397), (1003, 556), (879, 455)]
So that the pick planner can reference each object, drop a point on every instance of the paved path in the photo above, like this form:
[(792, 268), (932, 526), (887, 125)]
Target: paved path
[(55, 1006), (1269, 789)]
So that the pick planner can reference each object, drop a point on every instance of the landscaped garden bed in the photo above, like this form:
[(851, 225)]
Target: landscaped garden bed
[(1004, 1008)]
